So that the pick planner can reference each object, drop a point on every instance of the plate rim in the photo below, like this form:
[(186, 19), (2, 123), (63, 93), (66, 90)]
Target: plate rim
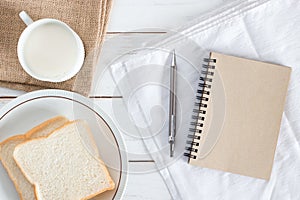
[(46, 93)]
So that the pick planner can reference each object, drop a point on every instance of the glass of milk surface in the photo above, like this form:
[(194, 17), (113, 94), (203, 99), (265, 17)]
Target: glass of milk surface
[(49, 50)]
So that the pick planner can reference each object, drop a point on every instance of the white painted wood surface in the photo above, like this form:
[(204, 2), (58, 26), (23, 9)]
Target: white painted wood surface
[(132, 24), (149, 15)]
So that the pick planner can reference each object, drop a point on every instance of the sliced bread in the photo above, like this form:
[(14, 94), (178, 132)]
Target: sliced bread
[(7, 147), (61, 167)]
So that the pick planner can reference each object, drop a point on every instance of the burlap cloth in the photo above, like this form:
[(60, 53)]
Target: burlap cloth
[(88, 18)]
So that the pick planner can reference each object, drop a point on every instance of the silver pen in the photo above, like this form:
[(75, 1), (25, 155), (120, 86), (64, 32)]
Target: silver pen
[(172, 105)]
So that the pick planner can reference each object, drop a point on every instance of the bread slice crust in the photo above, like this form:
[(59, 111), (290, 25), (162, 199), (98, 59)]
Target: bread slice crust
[(33, 133), (111, 182), (22, 137)]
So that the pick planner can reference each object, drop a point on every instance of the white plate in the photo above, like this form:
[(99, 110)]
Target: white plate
[(29, 110)]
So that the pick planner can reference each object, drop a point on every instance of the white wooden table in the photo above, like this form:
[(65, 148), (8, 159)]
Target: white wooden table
[(132, 24)]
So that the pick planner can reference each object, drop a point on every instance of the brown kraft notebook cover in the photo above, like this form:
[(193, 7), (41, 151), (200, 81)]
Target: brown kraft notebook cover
[(239, 116)]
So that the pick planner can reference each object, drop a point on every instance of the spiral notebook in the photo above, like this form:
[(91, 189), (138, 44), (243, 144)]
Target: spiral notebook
[(237, 115)]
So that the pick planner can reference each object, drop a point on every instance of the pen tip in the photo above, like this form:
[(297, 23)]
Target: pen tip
[(171, 149)]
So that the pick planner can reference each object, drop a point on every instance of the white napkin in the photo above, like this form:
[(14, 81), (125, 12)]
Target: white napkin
[(260, 29)]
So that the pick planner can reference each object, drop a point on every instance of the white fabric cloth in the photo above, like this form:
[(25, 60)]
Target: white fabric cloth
[(263, 30)]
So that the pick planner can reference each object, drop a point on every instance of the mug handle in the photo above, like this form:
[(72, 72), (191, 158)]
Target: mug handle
[(25, 18)]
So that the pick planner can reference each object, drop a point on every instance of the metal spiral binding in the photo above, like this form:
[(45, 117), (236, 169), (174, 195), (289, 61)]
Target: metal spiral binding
[(200, 108)]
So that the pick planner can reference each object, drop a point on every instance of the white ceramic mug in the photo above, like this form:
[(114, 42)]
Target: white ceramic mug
[(44, 64)]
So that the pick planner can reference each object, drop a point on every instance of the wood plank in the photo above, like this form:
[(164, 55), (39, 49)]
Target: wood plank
[(8, 93), (155, 15), (4, 101)]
